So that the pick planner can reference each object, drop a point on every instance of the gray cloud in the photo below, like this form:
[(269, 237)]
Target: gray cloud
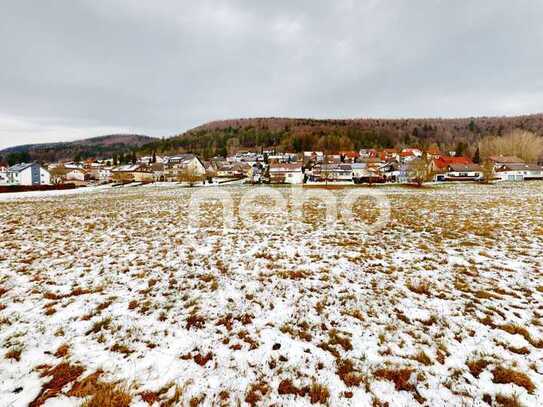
[(74, 69)]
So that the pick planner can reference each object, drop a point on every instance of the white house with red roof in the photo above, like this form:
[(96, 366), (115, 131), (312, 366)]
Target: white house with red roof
[(408, 154), (440, 164)]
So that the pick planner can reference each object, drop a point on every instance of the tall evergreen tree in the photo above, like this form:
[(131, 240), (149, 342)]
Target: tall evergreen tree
[(477, 156)]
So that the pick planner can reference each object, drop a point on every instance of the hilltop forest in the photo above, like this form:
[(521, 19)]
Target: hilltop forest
[(229, 136), (221, 138)]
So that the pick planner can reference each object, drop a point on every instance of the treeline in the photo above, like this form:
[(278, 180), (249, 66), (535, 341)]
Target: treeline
[(227, 137)]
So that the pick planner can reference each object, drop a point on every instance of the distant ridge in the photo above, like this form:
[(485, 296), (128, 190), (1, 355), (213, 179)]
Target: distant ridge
[(95, 147)]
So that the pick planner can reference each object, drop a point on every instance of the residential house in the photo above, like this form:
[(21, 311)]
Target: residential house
[(461, 172), (286, 173), (149, 159), (133, 173), (246, 157), (3, 175), (313, 156), (349, 156), (76, 174), (332, 173), (105, 174), (225, 169), (362, 174), (368, 153), (158, 170), (255, 173), (440, 165), (373, 163), (390, 171), (282, 157), (73, 165), (174, 166), (519, 172), (28, 174), (501, 160), (389, 154), (409, 154)]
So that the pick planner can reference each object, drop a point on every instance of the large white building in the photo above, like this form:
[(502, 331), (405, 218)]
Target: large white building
[(28, 174), (519, 172)]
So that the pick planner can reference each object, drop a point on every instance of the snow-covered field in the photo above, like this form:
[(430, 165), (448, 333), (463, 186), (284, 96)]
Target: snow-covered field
[(110, 295)]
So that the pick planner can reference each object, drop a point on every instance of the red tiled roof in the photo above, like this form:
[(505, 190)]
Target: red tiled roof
[(444, 161), (407, 153), (350, 154)]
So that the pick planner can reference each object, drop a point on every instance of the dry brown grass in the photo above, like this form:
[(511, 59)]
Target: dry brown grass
[(87, 386), (99, 325), (62, 351), (286, 387), (476, 366), (196, 321), (348, 374), (318, 393), (256, 392), (202, 359), (400, 377), (504, 375), (514, 329), (109, 395), (61, 375), (14, 354), (422, 287), (423, 358), (508, 401)]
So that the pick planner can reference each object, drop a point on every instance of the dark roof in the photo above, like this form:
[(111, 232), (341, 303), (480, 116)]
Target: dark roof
[(520, 167), (20, 167)]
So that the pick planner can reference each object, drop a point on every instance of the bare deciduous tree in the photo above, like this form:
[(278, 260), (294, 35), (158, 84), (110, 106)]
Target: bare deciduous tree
[(488, 171), (418, 171), (523, 144), (189, 175)]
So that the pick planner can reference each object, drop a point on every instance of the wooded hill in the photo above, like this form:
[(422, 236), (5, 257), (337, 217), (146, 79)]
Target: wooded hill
[(227, 136), (284, 134), (96, 147)]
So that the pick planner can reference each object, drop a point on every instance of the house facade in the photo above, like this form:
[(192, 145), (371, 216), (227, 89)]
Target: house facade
[(332, 173), (3, 176), (133, 173), (361, 173), (75, 175), (519, 172), (461, 172), (174, 166), (28, 174), (286, 173)]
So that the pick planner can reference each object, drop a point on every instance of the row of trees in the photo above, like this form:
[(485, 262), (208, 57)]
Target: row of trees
[(520, 143)]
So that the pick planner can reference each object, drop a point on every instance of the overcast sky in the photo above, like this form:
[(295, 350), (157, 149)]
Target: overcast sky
[(74, 69)]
